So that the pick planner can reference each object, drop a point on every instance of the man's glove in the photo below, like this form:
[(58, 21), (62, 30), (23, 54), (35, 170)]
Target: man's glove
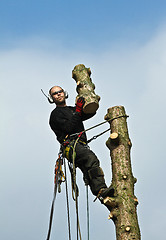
[(79, 105)]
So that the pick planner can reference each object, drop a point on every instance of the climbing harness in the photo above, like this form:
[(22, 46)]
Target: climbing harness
[(61, 177)]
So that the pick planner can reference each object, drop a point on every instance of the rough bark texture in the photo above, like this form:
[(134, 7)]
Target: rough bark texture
[(85, 88), (124, 203)]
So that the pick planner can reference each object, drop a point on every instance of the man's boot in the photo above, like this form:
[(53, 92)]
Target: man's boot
[(105, 192), (98, 186)]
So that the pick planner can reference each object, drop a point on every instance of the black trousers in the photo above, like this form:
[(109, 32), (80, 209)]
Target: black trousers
[(89, 164)]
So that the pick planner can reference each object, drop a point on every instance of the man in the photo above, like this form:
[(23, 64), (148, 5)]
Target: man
[(65, 121)]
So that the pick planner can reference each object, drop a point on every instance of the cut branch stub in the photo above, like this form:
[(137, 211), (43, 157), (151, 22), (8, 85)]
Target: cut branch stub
[(113, 141), (85, 88)]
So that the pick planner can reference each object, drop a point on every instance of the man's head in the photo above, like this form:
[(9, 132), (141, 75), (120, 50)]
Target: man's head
[(58, 95)]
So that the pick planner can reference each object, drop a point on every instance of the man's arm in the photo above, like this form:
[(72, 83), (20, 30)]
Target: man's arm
[(86, 116)]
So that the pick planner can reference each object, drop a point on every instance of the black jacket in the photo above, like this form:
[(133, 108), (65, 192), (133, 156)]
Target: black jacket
[(66, 121)]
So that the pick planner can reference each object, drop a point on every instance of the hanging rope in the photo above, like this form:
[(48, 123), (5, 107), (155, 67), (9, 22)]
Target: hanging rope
[(87, 204), (51, 214), (75, 188), (67, 202), (57, 182)]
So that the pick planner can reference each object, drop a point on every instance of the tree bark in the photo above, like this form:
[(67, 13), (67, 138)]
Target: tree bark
[(85, 88), (124, 204)]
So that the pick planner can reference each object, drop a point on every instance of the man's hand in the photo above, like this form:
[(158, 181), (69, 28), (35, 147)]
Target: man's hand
[(79, 105)]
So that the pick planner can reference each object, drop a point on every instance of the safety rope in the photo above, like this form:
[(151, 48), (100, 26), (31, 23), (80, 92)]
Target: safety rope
[(51, 213), (75, 188), (67, 202), (96, 136), (97, 125), (72, 181), (87, 205)]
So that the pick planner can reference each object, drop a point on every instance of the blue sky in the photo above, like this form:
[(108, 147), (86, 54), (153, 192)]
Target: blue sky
[(91, 23), (123, 42)]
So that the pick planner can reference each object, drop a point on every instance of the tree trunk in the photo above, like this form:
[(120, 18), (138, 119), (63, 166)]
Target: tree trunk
[(124, 204), (85, 88)]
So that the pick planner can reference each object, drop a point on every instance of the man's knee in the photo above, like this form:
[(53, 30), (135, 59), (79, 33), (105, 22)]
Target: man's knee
[(95, 172)]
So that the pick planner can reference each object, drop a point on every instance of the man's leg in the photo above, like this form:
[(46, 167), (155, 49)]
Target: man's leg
[(89, 164)]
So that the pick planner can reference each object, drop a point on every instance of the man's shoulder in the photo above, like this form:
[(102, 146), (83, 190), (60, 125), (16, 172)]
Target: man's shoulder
[(61, 110), (71, 107), (54, 111)]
